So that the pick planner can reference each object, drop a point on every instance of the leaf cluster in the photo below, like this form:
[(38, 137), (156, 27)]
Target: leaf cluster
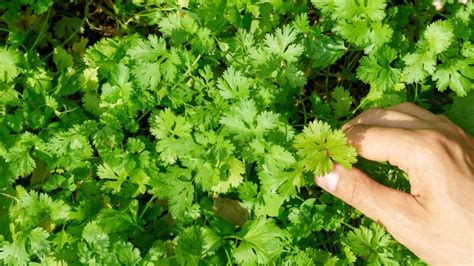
[(192, 134)]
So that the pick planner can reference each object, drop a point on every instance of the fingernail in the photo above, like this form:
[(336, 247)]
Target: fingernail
[(328, 182)]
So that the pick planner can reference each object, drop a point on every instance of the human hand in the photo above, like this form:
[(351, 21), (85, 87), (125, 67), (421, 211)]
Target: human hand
[(436, 219), (439, 4)]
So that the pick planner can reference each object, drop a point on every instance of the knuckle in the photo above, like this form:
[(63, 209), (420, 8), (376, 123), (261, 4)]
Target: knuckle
[(404, 105), (373, 111), (434, 142), (353, 195), (443, 118), (368, 114), (432, 136), (452, 128)]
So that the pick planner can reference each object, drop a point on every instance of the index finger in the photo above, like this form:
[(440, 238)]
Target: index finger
[(401, 147)]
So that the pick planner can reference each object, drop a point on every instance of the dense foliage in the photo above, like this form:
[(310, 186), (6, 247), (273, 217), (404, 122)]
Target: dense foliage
[(160, 132)]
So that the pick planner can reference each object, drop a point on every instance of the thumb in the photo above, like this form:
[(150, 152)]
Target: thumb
[(394, 209)]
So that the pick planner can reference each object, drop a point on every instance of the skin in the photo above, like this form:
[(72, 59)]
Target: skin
[(436, 219)]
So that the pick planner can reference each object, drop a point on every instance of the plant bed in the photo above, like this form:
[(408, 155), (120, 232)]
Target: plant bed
[(190, 132)]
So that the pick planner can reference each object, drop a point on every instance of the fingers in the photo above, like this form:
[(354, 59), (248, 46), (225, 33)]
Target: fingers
[(404, 115), (387, 118), (398, 146), (414, 110), (396, 210)]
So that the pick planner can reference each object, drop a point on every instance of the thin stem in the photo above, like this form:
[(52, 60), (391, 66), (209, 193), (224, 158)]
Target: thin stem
[(228, 256), (348, 225), (416, 92), (68, 39), (42, 31), (232, 237), (357, 108), (143, 115), (9, 196), (147, 206), (305, 117)]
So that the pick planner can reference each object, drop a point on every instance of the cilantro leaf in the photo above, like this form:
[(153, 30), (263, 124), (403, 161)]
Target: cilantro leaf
[(62, 59), (341, 101), (245, 122), (376, 70), (9, 68), (439, 36), (234, 85), (38, 209), (282, 44), (418, 66), (373, 243), (260, 242), (461, 110), (319, 147), (350, 9), (235, 177), (457, 75)]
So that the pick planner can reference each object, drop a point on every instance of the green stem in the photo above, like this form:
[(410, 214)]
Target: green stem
[(147, 206), (348, 225), (233, 237), (228, 256), (416, 92), (68, 39), (9, 196), (42, 31), (305, 117), (357, 108)]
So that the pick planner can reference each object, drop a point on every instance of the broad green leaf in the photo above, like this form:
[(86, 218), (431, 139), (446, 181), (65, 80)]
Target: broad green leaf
[(260, 242)]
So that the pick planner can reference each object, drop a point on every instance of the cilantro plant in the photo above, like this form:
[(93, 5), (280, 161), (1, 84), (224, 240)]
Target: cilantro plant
[(158, 132)]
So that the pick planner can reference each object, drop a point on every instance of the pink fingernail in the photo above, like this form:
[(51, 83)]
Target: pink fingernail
[(328, 182)]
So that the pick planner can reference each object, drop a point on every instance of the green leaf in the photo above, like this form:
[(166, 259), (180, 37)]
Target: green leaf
[(235, 176), (319, 147), (189, 246), (127, 254), (439, 36), (418, 66), (306, 219), (373, 244), (41, 6), (282, 44), (341, 101), (148, 50), (38, 242), (165, 124), (92, 233), (21, 163), (62, 59), (352, 9), (362, 34), (148, 75), (38, 209), (325, 51), (234, 85), (260, 242), (457, 75), (245, 122), (461, 112), (14, 253), (376, 70), (9, 69), (115, 177), (326, 6)]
